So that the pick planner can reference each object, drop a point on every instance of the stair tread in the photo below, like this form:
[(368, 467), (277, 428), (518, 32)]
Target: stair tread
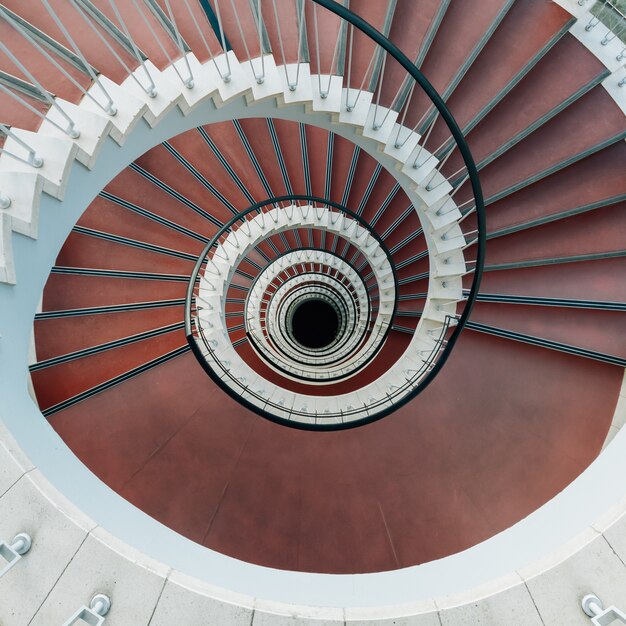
[(189, 31), (79, 291), (554, 144), (62, 335), (457, 37), (525, 32), (595, 179), (92, 47), (599, 279), (40, 67), (85, 251), (595, 232), (599, 331), (565, 71), (140, 32), (60, 382)]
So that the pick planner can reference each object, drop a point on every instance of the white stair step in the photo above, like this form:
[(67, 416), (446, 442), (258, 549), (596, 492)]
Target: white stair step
[(204, 86), (360, 104), (303, 91), (440, 188), (130, 109), (24, 191), (331, 87), (168, 93), (58, 157), (237, 84), (448, 238), (379, 124), (446, 288), (407, 141), (426, 164), (94, 128), (271, 86), (455, 266), (449, 213), (438, 309)]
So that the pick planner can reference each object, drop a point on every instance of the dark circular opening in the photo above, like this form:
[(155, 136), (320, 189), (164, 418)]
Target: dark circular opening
[(314, 324)]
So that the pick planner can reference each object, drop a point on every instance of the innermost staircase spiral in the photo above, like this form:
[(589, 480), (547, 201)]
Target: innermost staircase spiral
[(315, 323)]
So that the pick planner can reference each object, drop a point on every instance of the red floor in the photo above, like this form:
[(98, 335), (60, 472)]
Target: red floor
[(455, 466)]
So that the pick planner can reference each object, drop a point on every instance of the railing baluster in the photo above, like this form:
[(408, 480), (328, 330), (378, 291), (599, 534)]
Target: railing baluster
[(223, 37), (188, 82), (70, 130), (32, 159), (110, 107), (151, 88)]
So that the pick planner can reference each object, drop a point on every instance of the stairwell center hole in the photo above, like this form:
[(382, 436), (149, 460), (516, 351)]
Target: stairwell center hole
[(315, 324)]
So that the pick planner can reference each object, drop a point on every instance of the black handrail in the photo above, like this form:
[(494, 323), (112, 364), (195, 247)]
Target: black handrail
[(480, 241)]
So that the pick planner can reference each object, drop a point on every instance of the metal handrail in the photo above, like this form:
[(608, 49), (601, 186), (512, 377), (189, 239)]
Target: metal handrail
[(427, 366), (444, 345)]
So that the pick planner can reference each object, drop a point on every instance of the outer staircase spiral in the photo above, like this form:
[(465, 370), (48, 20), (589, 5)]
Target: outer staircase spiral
[(220, 106)]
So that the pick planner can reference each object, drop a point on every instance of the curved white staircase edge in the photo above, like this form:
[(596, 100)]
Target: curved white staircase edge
[(586, 550)]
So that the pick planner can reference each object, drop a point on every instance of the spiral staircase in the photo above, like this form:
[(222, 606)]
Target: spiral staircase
[(312, 313)]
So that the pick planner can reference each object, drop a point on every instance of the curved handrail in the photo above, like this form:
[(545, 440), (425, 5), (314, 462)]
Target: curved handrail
[(481, 239), (444, 346)]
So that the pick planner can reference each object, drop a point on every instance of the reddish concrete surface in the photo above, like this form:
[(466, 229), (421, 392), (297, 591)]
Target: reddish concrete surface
[(86, 251), (409, 40), (242, 10), (77, 291), (317, 146), (595, 179), (557, 141), (447, 471), (106, 216), (13, 114), (44, 71), (526, 30), (225, 137), (458, 35), (258, 136), (541, 94), (60, 382), (343, 151), (189, 30), (594, 232), (363, 48), (288, 134), (600, 331), (192, 146), (95, 51), (587, 280), (282, 26), (134, 188), (399, 234), (322, 32), (141, 32), (60, 335)]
